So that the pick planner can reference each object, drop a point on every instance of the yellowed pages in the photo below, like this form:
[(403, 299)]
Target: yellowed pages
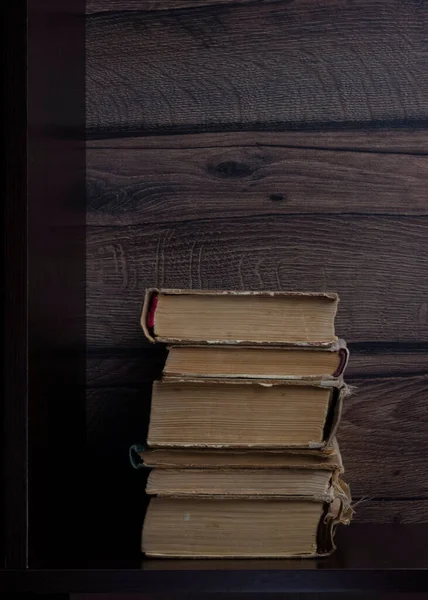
[(231, 528), (267, 361), (212, 414), (239, 317), (236, 482), (213, 458)]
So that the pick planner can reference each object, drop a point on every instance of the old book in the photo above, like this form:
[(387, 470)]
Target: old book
[(242, 413), (231, 458), (222, 527), (292, 483), (258, 362), (187, 316)]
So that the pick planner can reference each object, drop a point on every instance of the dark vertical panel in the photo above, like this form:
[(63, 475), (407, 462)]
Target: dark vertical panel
[(116, 419), (14, 467), (56, 279)]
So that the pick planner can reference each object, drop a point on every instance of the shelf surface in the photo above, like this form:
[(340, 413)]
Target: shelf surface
[(369, 558)]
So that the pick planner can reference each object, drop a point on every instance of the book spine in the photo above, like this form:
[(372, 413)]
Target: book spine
[(338, 512), (343, 361), (336, 413), (148, 312)]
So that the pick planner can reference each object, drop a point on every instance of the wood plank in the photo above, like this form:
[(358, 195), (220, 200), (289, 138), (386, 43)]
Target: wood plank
[(378, 265), (250, 595), (93, 6), (257, 66), (382, 434), (392, 511), (126, 187), (383, 437), (404, 141), (134, 367), (387, 363)]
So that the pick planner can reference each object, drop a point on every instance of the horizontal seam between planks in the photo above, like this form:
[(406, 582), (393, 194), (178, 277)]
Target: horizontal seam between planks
[(245, 218), (390, 375), (347, 149), (378, 126)]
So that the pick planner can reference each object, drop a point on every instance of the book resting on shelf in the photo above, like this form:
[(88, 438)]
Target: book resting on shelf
[(242, 434)]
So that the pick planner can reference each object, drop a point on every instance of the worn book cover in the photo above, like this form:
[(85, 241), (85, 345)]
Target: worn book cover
[(244, 527), (142, 456), (262, 362), (295, 481), (240, 318), (232, 413)]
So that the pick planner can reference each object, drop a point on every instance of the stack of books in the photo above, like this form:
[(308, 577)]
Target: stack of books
[(241, 440)]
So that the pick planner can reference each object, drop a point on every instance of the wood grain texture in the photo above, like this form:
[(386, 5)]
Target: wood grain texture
[(257, 66), (382, 435), (340, 205), (403, 141), (378, 265), (126, 187), (134, 367), (392, 511), (93, 6), (387, 362)]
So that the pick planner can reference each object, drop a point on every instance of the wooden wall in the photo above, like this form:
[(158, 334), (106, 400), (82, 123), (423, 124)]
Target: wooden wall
[(254, 144)]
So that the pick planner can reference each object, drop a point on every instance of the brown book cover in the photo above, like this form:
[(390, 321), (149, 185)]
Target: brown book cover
[(244, 413), (291, 482), (231, 458), (240, 317), (251, 362), (244, 527)]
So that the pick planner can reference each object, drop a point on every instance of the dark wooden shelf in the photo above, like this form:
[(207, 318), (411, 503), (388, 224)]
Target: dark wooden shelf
[(378, 558), (237, 182)]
